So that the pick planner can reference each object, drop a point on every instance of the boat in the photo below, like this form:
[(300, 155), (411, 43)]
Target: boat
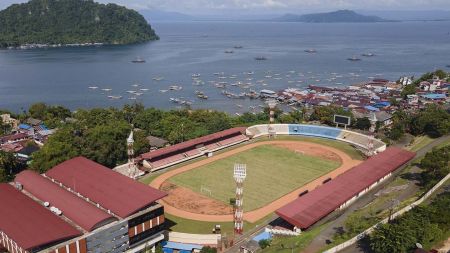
[(175, 88), (238, 46), (138, 60), (368, 54), (132, 98), (106, 89), (115, 97), (143, 89), (195, 75), (131, 91), (158, 78), (260, 58), (311, 51), (229, 51), (93, 87), (163, 91), (354, 58)]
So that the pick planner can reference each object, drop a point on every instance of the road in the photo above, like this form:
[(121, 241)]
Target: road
[(359, 248)]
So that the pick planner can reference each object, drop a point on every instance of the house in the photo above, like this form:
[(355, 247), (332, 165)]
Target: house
[(7, 119), (13, 138), (384, 118), (412, 99), (34, 122), (156, 142)]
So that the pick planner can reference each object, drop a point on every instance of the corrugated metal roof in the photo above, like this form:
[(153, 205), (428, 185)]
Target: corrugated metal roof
[(83, 213), (28, 223), (310, 208), (113, 191), (192, 143)]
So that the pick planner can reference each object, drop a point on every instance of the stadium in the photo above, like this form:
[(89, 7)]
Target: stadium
[(291, 171)]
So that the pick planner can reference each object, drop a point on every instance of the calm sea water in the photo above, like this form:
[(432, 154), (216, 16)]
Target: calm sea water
[(62, 76)]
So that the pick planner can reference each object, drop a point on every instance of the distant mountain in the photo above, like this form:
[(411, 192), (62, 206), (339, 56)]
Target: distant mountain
[(71, 22), (159, 15), (342, 16), (406, 15)]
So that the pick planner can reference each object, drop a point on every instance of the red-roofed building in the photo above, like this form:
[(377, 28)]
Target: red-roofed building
[(78, 210), (79, 207), (344, 189), (25, 225), (119, 194)]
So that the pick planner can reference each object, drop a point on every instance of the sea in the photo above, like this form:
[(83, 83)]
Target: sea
[(199, 56)]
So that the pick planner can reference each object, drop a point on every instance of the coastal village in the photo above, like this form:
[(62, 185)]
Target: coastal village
[(376, 100)]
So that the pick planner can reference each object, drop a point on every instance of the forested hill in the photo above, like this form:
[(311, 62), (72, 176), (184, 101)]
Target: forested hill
[(342, 16), (72, 21)]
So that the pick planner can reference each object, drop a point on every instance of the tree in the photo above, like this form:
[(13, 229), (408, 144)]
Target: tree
[(363, 123), (435, 165), (8, 166), (38, 110), (396, 132), (264, 243), (208, 249), (433, 121), (409, 89)]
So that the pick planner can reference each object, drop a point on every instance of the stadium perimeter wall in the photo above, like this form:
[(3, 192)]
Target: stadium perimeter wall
[(357, 139)]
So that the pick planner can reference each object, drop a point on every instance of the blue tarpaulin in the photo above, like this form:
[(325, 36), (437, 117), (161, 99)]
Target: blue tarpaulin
[(434, 96), (262, 236), (182, 247), (371, 108), (24, 126)]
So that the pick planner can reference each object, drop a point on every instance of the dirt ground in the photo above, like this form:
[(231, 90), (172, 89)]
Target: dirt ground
[(183, 202)]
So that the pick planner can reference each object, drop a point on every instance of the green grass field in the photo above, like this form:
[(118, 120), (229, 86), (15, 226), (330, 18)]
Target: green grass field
[(271, 173)]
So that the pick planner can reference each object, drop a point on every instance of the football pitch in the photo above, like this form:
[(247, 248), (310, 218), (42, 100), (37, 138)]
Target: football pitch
[(272, 171)]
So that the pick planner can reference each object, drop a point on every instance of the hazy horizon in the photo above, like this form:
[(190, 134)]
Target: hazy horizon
[(271, 7)]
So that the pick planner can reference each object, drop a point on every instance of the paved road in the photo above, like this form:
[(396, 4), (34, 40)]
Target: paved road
[(446, 139)]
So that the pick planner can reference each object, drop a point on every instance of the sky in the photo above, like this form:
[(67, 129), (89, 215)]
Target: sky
[(271, 6)]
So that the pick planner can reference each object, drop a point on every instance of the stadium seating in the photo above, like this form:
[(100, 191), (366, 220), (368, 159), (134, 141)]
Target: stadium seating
[(190, 151), (354, 138)]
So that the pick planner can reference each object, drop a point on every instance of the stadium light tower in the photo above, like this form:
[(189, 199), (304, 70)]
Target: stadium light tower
[(272, 105), (240, 173)]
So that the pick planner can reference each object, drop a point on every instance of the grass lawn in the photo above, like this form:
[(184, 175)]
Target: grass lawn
[(203, 227), (271, 173), (294, 244), (420, 142)]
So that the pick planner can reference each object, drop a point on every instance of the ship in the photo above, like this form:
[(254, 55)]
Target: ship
[(138, 60), (353, 58)]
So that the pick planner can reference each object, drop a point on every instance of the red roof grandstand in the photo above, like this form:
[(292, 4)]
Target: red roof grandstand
[(194, 142), (122, 195), (310, 208), (81, 212), (28, 223)]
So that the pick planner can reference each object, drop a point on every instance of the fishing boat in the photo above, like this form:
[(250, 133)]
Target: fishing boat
[(368, 54), (175, 88), (195, 75), (106, 89), (144, 89), (93, 87), (229, 51), (138, 60), (115, 97), (158, 78), (354, 58), (260, 58), (163, 91), (311, 51), (238, 46)]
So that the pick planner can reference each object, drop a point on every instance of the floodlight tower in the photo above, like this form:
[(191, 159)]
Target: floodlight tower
[(240, 172), (130, 150), (272, 105)]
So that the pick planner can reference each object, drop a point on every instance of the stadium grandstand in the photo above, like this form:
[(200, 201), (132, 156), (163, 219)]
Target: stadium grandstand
[(344, 189), (165, 157), (79, 206), (356, 139)]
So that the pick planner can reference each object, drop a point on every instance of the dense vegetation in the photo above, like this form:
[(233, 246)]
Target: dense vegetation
[(8, 166), (71, 21), (426, 224), (435, 165)]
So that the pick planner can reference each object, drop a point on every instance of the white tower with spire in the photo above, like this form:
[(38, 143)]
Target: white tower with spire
[(132, 168)]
